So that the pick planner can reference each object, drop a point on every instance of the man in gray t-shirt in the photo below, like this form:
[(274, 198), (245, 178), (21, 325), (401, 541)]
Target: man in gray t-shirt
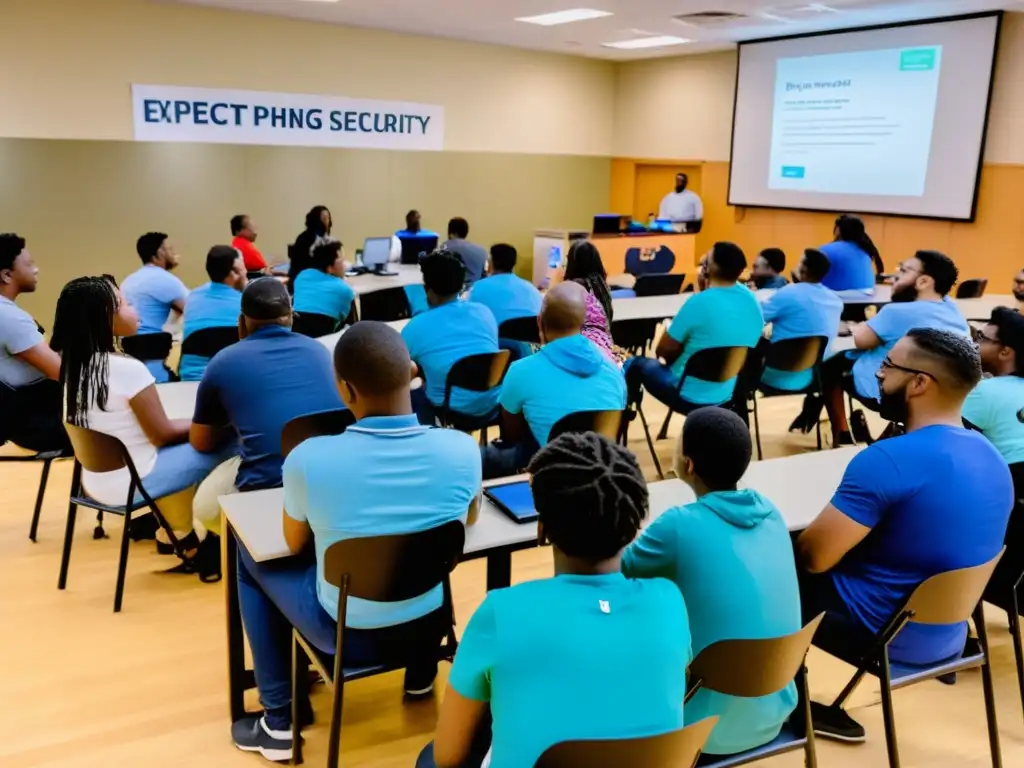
[(473, 256)]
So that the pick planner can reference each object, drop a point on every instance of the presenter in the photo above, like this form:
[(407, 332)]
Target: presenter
[(683, 206)]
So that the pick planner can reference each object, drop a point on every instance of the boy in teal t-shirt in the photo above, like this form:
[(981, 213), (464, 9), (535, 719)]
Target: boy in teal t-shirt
[(322, 290), (730, 554), (588, 654)]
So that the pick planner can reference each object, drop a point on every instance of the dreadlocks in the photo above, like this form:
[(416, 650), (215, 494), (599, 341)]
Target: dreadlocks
[(590, 495), (83, 332)]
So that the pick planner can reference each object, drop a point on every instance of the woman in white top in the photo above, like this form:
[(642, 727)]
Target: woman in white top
[(115, 394)]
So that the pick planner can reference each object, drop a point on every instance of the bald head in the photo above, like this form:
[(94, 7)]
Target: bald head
[(564, 311)]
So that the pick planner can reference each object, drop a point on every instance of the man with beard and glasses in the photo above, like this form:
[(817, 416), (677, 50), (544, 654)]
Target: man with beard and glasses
[(919, 300), (933, 500)]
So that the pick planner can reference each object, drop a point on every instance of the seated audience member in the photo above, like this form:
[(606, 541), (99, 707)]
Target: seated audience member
[(251, 390), (725, 314), (768, 268), (154, 292), (449, 331), (116, 395), (933, 500), (731, 555), (413, 227), (322, 289), (854, 258), (214, 305), (471, 254), (318, 225), (503, 292), (567, 375), (243, 232), (583, 265), (558, 659), (919, 300), (343, 487), (31, 415)]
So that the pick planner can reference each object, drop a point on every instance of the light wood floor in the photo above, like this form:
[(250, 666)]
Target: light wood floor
[(83, 688)]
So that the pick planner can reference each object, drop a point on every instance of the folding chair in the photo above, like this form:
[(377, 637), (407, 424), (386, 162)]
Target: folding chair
[(47, 458), (208, 342), (972, 289), (791, 356), (385, 569), (385, 306), (754, 668), (952, 597), (476, 373), (97, 452), (313, 324), (319, 424), (635, 335), (658, 285), (523, 329), (607, 423), (675, 749), (718, 364)]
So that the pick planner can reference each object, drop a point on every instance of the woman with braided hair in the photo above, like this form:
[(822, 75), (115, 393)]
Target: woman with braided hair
[(583, 265), (557, 659)]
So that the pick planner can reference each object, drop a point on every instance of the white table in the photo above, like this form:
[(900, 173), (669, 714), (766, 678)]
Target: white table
[(408, 274), (331, 340), (178, 398)]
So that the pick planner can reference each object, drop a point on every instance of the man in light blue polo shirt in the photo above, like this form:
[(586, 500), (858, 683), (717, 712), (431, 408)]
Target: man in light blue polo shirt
[(387, 474), (449, 331), (217, 304), (731, 556), (503, 292), (725, 314), (154, 292), (996, 406), (322, 289), (567, 375)]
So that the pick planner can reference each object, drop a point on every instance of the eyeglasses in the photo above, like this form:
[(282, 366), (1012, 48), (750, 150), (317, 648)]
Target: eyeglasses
[(889, 365), (979, 336)]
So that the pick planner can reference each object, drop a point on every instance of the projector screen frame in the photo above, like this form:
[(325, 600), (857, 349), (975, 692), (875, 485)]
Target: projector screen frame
[(997, 14)]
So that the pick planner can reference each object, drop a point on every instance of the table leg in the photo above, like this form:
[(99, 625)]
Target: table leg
[(499, 570), (236, 640)]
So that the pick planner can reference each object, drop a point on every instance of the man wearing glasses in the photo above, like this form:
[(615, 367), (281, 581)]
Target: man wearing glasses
[(919, 300), (933, 500)]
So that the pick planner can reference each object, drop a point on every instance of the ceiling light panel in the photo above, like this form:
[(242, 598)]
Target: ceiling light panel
[(564, 17), (657, 41)]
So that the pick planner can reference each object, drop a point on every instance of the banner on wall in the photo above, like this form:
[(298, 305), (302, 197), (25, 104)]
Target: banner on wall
[(210, 115)]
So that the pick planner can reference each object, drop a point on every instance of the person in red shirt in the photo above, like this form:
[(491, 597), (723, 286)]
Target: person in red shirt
[(244, 232)]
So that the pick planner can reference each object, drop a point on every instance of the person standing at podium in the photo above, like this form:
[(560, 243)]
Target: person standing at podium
[(682, 205)]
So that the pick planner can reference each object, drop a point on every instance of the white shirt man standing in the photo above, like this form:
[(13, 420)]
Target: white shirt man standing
[(682, 205)]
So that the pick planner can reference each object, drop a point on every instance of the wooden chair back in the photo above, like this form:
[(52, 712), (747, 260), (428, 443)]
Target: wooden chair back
[(318, 424), (951, 597), (796, 355), (605, 423), (97, 452), (675, 749), (523, 329), (716, 364), (751, 668), (972, 289)]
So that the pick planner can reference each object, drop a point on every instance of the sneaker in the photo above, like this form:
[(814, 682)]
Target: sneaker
[(251, 734), (833, 723), (420, 694)]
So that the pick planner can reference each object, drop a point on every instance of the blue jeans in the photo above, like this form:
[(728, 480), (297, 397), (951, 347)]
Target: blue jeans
[(501, 459), (280, 594), (180, 466), (651, 375)]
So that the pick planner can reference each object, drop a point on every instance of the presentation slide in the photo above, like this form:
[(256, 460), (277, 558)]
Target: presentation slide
[(886, 120)]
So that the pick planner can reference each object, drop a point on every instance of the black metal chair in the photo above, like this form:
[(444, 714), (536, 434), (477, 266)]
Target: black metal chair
[(635, 336), (972, 289), (385, 306), (209, 341), (149, 346), (523, 329), (791, 356), (319, 424), (313, 324), (952, 597), (715, 364), (385, 569), (476, 373), (659, 285), (611, 424), (97, 452)]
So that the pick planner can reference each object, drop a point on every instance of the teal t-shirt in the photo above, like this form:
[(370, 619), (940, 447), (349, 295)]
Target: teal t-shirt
[(996, 407), (213, 305), (716, 317), (319, 293), (795, 311), (731, 557), (575, 657), (507, 296)]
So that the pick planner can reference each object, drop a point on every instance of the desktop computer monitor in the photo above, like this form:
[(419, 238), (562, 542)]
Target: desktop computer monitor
[(415, 247), (610, 223), (376, 252)]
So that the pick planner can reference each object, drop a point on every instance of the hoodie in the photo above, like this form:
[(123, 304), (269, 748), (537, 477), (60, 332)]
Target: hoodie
[(731, 556), (566, 376)]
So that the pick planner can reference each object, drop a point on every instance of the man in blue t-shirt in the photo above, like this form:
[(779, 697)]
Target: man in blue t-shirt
[(154, 292), (920, 299), (214, 305), (569, 374), (853, 256), (251, 390), (414, 227), (505, 294), (936, 499), (725, 314), (386, 474), (321, 289), (768, 268), (449, 331)]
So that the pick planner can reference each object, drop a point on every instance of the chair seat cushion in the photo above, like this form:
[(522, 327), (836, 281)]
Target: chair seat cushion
[(905, 674), (787, 740)]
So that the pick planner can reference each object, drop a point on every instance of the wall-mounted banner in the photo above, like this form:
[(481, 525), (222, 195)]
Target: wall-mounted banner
[(209, 115)]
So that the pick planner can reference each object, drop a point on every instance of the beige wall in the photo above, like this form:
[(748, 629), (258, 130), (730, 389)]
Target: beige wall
[(680, 108), (76, 60)]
